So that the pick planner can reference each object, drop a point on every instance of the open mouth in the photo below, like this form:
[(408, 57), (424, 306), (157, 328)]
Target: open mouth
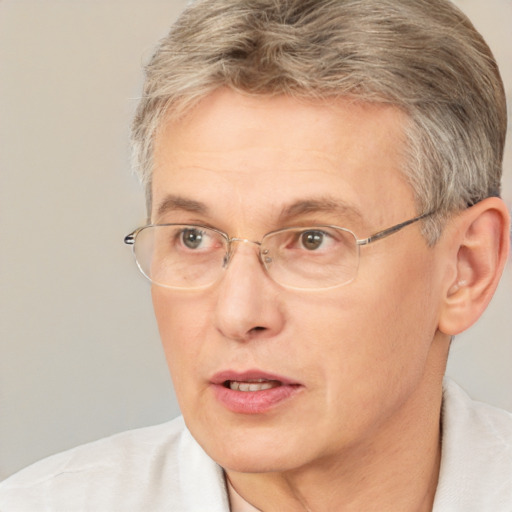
[(253, 391), (251, 385)]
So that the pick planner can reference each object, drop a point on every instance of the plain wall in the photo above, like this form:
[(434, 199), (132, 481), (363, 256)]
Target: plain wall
[(80, 356)]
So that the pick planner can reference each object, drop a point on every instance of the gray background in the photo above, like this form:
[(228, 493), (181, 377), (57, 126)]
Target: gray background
[(79, 351)]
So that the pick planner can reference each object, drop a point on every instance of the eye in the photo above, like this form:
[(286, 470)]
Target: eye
[(312, 240), (192, 238)]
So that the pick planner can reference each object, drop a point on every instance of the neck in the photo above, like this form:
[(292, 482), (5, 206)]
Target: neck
[(397, 471)]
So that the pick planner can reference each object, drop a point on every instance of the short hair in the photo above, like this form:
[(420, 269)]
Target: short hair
[(422, 56)]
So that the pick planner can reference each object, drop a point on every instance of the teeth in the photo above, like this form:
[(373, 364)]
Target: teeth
[(252, 385)]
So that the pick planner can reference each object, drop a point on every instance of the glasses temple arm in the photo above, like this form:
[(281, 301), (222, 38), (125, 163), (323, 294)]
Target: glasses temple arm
[(393, 229)]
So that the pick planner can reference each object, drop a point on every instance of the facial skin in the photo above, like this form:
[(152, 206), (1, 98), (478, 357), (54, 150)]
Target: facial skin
[(367, 356)]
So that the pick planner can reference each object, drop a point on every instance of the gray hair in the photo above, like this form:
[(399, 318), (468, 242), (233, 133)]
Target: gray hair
[(422, 56)]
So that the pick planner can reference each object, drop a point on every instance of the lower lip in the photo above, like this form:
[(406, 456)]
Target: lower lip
[(254, 402)]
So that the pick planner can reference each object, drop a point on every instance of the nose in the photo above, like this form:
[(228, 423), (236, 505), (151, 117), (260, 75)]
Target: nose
[(248, 303)]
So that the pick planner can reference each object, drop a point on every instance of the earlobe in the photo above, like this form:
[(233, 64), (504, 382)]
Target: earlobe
[(480, 238)]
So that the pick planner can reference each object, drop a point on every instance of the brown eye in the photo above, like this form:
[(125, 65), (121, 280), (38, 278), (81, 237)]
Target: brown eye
[(312, 240)]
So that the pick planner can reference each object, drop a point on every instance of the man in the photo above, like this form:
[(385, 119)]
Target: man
[(323, 184)]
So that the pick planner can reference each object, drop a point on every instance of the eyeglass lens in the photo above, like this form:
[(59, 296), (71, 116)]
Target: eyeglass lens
[(180, 256)]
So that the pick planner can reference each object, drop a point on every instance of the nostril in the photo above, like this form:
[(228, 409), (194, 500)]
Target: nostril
[(258, 328)]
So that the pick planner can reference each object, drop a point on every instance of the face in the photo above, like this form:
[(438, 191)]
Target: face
[(342, 365)]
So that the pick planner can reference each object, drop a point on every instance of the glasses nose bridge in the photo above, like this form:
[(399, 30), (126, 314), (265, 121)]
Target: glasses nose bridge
[(230, 251), (244, 241)]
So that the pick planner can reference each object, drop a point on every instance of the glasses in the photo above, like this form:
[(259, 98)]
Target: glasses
[(182, 256)]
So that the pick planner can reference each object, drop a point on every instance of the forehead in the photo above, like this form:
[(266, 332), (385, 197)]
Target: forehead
[(252, 153)]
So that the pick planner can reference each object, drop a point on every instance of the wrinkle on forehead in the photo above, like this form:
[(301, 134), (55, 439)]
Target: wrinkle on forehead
[(248, 159)]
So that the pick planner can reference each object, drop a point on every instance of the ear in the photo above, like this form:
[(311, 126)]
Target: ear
[(478, 244)]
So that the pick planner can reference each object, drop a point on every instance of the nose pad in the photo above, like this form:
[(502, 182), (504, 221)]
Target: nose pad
[(265, 258), (230, 252)]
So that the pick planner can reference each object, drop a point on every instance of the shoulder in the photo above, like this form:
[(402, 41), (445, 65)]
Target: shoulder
[(476, 462), (478, 422), (143, 469), (106, 454)]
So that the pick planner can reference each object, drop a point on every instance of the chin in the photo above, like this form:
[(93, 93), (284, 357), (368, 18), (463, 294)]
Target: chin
[(261, 462), (253, 454)]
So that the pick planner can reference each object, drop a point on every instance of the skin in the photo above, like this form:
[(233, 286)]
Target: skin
[(363, 431)]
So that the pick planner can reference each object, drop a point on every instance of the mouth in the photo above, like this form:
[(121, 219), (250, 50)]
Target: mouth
[(251, 385), (253, 392)]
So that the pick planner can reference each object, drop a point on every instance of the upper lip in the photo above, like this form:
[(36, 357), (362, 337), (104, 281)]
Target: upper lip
[(249, 375)]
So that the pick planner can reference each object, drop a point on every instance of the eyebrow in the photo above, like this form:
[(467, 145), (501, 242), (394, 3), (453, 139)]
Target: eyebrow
[(177, 203), (320, 205), (325, 204)]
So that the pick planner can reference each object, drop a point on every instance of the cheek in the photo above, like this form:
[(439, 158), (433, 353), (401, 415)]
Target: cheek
[(377, 336), (398, 312), (182, 324), (398, 279)]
